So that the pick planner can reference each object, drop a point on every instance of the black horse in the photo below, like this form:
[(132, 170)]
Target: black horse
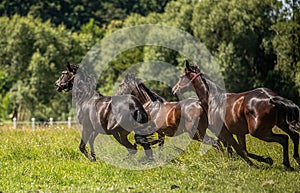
[(256, 112), (110, 115), (170, 118)]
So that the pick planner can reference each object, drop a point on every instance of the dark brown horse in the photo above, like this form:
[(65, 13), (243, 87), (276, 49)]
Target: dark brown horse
[(111, 115), (170, 118), (256, 112)]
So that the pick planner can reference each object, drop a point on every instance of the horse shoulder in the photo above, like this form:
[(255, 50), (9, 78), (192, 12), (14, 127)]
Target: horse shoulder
[(235, 108)]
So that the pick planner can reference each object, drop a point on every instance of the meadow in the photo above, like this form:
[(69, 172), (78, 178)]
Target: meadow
[(48, 160)]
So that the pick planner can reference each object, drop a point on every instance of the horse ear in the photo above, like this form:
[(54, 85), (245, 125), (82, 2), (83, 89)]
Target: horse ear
[(69, 67), (187, 65)]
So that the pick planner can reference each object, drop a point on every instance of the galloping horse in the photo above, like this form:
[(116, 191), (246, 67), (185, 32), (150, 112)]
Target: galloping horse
[(256, 112), (170, 118), (111, 115)]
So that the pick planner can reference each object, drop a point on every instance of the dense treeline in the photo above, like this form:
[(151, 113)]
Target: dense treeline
[(256, 43), (73, 14)]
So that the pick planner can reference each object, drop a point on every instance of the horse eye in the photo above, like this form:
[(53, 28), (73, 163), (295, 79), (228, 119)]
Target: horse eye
[(182, 76)]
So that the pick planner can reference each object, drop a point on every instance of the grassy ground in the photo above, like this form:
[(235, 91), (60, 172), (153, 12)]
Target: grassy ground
[(48, 160)]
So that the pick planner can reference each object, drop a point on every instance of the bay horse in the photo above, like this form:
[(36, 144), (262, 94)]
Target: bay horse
[(170, 118), (110, 115), (256, 112)]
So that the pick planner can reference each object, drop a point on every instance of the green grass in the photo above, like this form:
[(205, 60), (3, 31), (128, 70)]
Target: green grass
[(48, 160)]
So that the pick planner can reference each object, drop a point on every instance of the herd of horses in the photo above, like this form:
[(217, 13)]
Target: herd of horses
[(138, 109)]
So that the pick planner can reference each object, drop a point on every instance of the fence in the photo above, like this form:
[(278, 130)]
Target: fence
[(34, 123)]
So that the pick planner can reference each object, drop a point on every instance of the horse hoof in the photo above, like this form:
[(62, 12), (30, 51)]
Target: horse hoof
[(150, 159), (254, 166), (269, 161), (130, 155), (289, 168), (92, 159), (146, 161), (218, 146), (298, 160)]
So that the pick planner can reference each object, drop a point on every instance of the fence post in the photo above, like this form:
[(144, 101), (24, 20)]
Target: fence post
[(33, 123), (69, 122), (15, 122), (51, 121)]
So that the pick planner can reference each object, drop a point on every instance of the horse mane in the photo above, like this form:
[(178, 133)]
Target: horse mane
[(84, 85), (153, 95), (140, 86), (210, 85)]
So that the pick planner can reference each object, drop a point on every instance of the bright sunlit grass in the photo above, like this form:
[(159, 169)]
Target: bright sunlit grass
[(48, 160)]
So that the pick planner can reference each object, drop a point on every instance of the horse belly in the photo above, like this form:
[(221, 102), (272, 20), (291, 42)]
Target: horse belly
[(239, 128)]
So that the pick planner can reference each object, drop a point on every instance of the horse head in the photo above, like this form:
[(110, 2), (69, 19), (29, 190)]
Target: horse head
[(66, 79), (190, 73)]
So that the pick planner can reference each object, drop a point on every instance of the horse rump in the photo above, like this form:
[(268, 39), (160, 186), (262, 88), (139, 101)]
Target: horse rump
[(289, 110)]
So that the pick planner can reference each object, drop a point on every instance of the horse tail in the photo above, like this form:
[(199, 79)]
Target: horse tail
[(289, 110), (138, 113), (140, 116)]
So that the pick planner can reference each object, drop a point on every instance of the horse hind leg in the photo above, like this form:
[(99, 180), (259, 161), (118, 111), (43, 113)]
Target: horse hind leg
[(242, 142), (281, 139), (295, 138)]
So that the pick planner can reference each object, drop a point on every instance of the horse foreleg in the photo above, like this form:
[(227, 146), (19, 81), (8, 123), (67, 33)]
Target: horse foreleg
[(198, 132), (91, 142), (143, 141), (123, 140), (161, 139), (86, 134), (228, 137), (242, 142)]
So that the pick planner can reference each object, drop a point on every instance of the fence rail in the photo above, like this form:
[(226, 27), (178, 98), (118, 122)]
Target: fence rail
[(34, 123)]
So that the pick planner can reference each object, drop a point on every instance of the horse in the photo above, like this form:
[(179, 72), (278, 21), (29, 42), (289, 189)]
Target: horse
[(109, 115), (170, 118), (253, 112)]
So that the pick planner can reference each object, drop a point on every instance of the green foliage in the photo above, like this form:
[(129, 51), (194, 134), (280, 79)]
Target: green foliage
[(33, 54), (286, 44), (74, 14), (243, 29), (254, 43)]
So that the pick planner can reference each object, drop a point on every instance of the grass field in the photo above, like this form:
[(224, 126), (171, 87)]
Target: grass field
[(48, 160)]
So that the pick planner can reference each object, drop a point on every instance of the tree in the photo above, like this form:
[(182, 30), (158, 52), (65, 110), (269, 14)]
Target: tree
[(240, 31), (287, 47), (32, 57)]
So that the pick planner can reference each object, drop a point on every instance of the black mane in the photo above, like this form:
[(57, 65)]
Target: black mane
[(84, 86), (153, 95), (140, 86)]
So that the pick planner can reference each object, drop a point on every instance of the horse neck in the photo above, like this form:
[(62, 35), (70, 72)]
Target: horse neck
[(201, 92), (209, 93), (84, 90)]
